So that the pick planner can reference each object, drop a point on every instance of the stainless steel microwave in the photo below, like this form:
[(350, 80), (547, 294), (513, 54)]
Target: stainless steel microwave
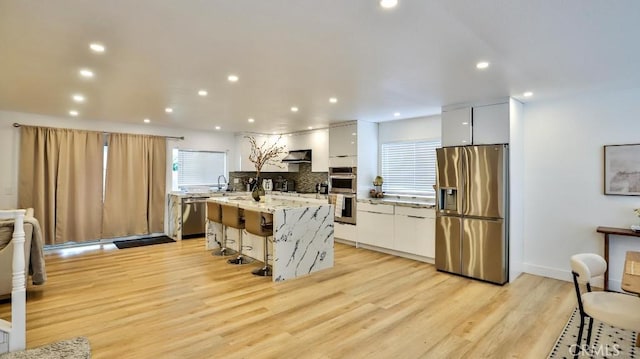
[(342, 180)]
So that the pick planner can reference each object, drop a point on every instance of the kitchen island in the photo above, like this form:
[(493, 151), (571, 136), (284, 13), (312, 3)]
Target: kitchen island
[(302, 234)]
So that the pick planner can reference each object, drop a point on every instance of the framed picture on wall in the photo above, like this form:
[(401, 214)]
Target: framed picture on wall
[(622, 170)]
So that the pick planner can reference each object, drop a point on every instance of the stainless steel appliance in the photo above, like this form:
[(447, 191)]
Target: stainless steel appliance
[(194, 216), (343, 180), (472, 222), (348, 212)]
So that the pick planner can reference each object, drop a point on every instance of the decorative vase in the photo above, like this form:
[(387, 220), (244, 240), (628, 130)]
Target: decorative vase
[(258, 190)]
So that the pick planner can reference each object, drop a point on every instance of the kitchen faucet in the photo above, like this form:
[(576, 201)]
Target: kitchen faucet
[(225, 181)]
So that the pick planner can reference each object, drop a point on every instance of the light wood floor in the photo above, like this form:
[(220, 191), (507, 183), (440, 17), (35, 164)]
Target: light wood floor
[(177, 301)]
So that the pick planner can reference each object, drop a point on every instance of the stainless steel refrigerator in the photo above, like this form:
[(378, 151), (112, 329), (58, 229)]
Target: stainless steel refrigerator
[(472, 223)]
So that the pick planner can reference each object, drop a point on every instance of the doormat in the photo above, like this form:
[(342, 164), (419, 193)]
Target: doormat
[(130, 243), (606, 341)]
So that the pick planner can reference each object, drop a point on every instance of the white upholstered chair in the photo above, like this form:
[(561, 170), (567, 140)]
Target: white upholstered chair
[(616, 309)]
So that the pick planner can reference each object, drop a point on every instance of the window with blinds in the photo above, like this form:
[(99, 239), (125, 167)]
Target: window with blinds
[(197, 168), (409, 167)]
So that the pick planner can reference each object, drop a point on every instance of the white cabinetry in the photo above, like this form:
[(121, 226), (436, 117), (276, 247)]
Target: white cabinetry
[(318, 142), (456, 127), (375, 224), (491, 124), (480, 124), (414, 231), (343, 140)]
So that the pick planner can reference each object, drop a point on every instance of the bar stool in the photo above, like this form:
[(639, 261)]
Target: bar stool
[(232, 217), (214, 214), (260, 224)]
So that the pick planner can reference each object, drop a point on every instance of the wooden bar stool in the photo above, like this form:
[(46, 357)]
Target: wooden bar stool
[(214, 214), (260, 224), (232, 216)]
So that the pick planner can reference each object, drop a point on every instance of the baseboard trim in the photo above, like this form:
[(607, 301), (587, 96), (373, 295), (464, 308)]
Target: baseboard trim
[(415, 257), (561, 274)]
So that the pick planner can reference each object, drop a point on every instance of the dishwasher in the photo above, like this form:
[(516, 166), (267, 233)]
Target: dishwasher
[(194, 217)]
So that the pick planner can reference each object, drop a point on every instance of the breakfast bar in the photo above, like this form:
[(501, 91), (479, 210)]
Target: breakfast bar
[(302, 234)]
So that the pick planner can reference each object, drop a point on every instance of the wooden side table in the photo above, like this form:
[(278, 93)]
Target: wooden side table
[(618, 232)]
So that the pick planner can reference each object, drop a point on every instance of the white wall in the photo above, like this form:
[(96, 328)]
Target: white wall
[(564, 200), (421, 128), (9, 143)]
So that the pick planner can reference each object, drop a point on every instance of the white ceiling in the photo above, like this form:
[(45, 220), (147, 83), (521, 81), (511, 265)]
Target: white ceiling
[(412, 59)]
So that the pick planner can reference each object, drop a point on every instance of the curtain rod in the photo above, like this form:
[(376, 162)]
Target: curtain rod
[(15, 124)]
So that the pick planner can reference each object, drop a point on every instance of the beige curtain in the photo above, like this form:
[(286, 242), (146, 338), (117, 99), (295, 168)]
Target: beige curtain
[(61, 178), (135, 185)]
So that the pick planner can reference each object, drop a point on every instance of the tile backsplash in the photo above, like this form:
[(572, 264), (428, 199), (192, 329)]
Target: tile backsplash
[(305, 179)]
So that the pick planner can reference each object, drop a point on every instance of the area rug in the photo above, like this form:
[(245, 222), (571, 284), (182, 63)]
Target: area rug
[(606, 341), (142, 242), (76, 348)]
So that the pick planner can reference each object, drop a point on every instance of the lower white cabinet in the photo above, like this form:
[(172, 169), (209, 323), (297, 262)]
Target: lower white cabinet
[(414, 231), (375, 224)]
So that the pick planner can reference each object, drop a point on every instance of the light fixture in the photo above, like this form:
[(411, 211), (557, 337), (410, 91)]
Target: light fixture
[(274, 132), (168, 110), (218, 128), (146, 120), (482, 65), (388, 4), (396, 114), (353, 133), (73, 113), (251, 120), (310, 128), (203, 93), (294, 109), (78, 98), (333, 100), (465, 123), (86, 73), (96, 47), (232, 78), (527, 94)]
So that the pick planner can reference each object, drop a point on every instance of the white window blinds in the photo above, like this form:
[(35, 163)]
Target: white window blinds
[(200, 167), (409, 167)]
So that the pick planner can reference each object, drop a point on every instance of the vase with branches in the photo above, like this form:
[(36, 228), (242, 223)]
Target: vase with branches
[(260, 155)]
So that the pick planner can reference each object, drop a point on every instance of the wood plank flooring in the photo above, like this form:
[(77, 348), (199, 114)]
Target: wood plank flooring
[(176, 300)]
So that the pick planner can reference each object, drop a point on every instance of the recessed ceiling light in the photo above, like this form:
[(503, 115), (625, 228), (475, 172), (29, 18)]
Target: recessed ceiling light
[(251, 120), (310, 127), (353, 133), (232, 78), (78, 98), (146, 120), (168, 110), (274, 132), (86, 73), (333, 100), (294, 109), (527, 94), (96, 47), (465, 123), (203, 93), (218, 128), (388, 4), (291, 134), (482, 65), (396, 114), (73, 113)]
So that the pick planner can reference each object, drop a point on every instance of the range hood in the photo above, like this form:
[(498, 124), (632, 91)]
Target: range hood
[(298, 156)]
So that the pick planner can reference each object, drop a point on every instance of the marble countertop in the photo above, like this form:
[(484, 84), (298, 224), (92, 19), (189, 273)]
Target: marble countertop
[(236, 194), (270, 204), (405, 202)]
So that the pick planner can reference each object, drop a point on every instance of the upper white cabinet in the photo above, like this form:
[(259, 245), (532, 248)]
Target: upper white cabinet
[(456, 127), (318, 142), (480, 124), (491, 124), (343, 140)]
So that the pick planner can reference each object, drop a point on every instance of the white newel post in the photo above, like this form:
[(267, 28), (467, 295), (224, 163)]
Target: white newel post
[(17, 336)]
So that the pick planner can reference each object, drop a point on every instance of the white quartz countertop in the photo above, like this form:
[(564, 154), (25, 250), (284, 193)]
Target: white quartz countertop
[(405, 202), (237, 194), (270, 204)]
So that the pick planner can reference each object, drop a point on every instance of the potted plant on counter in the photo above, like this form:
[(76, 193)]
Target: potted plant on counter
[(262, 155)]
